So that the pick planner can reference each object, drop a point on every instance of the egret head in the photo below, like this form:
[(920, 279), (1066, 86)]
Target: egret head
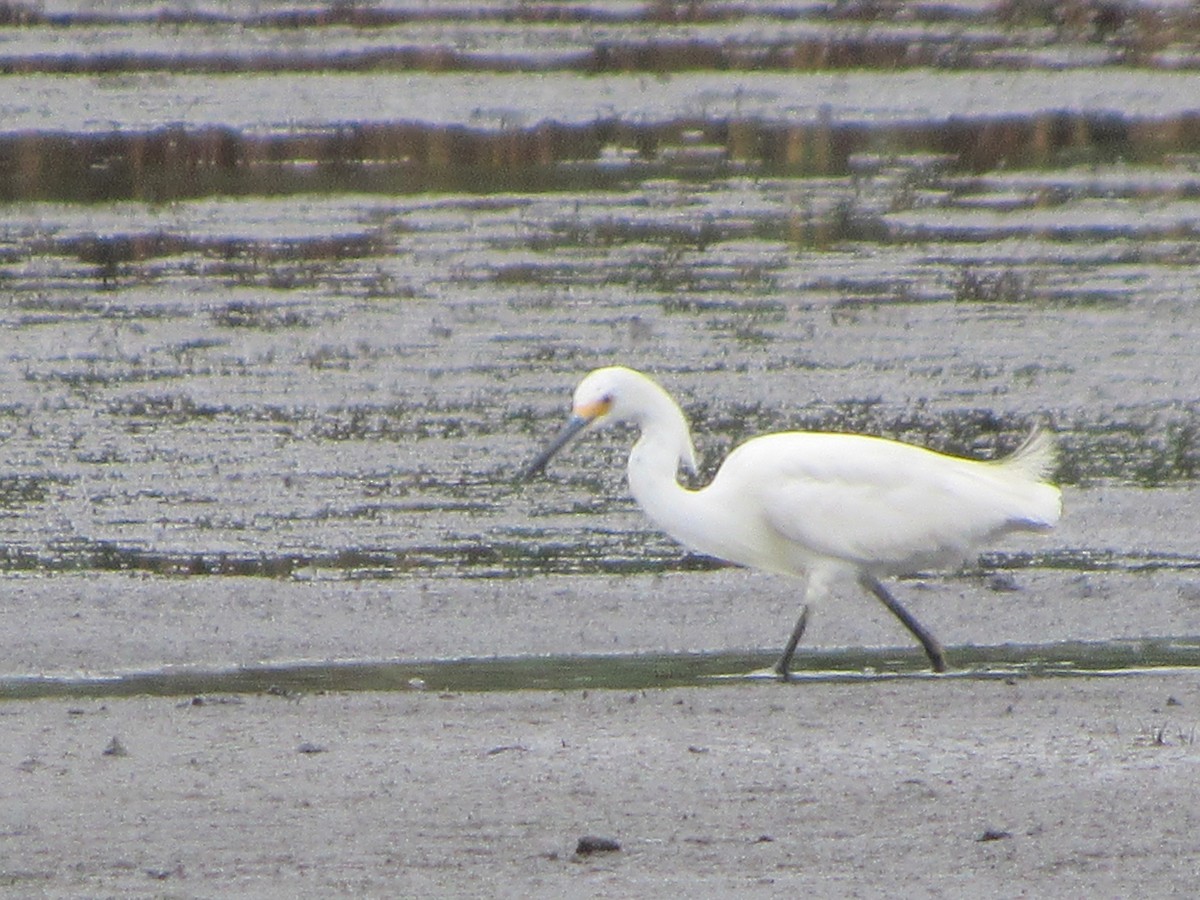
[(594, 403), (615, 394)]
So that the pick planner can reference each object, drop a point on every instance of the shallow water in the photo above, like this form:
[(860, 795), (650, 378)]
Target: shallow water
[(617, 672), (275, 340)]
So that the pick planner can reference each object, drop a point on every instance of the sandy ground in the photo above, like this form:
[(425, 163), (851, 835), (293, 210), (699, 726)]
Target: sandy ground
[(1051, 787), (919, 786)]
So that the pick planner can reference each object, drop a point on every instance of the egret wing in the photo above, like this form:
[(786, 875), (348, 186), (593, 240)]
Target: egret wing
[(886, 506)]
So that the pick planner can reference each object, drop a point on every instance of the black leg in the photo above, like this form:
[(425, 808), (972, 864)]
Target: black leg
[(783, 667), (932, 648)]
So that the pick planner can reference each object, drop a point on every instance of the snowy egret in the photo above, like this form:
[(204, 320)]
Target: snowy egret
[(819, 505)]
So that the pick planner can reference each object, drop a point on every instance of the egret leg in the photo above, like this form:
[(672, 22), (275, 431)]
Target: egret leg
[(783, 667), (933, 649), (816, 585)]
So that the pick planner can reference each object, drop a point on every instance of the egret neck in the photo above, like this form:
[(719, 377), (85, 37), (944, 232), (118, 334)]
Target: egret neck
[(664, 447)]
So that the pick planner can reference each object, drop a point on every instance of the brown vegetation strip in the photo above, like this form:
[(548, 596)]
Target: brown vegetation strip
[(808, 54), (812, 54), (663, 12), (178, 162), (1079, 19), (1008, 35)]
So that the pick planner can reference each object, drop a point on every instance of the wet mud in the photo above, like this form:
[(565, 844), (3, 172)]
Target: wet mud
[(309, 340), (291, 294)]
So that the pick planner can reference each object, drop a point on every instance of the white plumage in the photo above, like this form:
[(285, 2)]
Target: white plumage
[(818, 505)]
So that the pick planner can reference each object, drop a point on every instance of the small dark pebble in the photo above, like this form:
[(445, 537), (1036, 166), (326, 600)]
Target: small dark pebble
[(591, 844), (1002, 583), (115, 748), (200, 700), (310, 747), (505, 748), (993, 834), (164, 874)]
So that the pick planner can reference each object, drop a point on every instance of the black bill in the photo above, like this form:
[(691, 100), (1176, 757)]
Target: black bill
[(574, 425)]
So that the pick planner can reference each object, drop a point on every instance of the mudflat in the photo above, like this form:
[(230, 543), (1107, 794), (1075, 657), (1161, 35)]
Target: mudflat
[(291, 295), (919, 786)]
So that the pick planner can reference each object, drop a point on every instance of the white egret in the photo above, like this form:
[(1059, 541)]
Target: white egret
[(819, 505)]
